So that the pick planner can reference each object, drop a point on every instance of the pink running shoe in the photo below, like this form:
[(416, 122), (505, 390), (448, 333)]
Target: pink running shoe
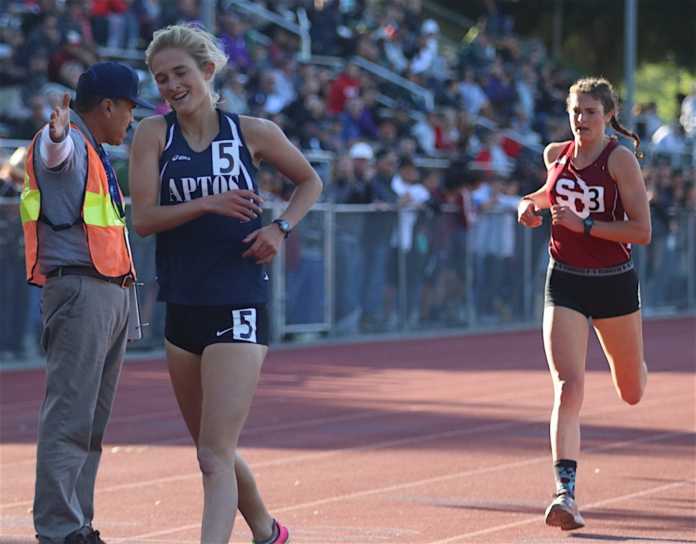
[(283, 534)]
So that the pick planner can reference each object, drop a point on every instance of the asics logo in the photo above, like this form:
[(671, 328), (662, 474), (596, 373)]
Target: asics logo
[(181, 158)]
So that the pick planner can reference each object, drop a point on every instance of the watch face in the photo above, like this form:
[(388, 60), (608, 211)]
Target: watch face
[(283, 224)]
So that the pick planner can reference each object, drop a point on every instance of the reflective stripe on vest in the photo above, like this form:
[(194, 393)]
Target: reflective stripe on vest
[(105, 230)]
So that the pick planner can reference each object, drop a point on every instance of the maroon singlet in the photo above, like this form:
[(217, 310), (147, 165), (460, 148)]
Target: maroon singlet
[(589, 191)]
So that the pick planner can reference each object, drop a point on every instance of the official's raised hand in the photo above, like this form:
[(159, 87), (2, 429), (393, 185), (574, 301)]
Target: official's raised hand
[(59, 121), (239, 203)]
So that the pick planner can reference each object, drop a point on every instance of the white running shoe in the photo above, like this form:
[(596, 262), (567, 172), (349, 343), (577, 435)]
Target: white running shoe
[(563, 512)]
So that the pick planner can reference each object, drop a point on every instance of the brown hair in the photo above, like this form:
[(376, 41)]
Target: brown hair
[(600, 89)]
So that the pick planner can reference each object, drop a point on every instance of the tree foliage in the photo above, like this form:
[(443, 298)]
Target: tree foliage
[(592, 38), (663, 83)]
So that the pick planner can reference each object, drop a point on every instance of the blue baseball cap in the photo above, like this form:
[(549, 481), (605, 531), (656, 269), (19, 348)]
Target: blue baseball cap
[(110, 80)]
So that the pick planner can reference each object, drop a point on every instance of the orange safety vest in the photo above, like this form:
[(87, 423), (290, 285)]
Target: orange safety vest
[(105, 229)]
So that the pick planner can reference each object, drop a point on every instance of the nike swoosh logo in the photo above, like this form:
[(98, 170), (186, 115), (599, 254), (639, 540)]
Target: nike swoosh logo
[(220, 333)]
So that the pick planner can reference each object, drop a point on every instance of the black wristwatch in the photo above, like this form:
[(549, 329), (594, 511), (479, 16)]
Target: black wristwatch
[(283, 225), (587, 224)]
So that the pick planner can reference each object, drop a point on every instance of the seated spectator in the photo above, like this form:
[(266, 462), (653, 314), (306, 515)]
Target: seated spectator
[(232, 93), (424, 132), (387, 133), (40, 113), (70, 60), (647, 120), (670, 138), (473, 99), (325, 18), (37, 76), (267, 99), (427, 48), (149, 16), (232, 38), (500, 91), (345, 86), (77, 19), (492, 157), (357, 122)]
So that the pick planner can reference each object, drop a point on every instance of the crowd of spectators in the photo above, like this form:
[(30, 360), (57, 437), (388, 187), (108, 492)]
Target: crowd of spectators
[(497, 100)]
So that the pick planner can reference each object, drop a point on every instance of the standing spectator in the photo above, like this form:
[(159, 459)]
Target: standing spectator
[(351, 185), (377, 235), (412, 195), (688, 114)]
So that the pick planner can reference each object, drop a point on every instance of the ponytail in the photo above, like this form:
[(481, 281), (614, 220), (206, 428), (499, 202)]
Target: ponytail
[(623, 130)]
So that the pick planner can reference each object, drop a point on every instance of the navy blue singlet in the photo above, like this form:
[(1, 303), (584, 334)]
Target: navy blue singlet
[(200, 262)]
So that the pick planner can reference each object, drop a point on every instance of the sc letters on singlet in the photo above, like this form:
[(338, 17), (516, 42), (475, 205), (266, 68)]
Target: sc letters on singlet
[(582, 198)]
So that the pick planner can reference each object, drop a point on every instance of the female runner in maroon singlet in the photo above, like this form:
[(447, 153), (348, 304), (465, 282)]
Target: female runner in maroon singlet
[(599, 207)]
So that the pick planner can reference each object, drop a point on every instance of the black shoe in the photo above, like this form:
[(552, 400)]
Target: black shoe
[(94, 538), (77, 538)]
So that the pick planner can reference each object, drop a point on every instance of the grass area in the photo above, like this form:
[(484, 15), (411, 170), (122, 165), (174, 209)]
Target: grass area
[(661, 83)]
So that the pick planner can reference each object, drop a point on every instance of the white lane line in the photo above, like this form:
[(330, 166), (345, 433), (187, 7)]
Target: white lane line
[(427, 481), (260, 429), (540, 519), (354, 449)]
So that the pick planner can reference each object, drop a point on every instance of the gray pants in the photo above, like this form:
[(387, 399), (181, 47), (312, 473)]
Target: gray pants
[(85, 326)]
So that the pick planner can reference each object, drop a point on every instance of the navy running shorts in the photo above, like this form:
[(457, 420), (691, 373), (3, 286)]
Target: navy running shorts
[(596, 293), (193, 328)]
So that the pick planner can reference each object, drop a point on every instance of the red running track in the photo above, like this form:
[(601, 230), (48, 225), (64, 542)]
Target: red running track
[(427, 441)]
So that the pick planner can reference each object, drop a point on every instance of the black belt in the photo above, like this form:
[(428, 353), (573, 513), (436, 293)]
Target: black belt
[(122, 281)]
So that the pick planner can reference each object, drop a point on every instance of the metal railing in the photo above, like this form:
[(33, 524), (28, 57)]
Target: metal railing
[(421, 93), (301, 29), (346, 271)]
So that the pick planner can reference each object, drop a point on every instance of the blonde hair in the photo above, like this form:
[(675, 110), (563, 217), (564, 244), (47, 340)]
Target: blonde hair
[(600, 89), (198, 43)]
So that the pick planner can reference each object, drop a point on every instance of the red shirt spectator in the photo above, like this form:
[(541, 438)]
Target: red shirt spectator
[(345, 86)]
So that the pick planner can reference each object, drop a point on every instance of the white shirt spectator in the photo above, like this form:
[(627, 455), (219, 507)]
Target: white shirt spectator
[(525, 97), (688, 114), (493, 233), (425, 58), (424, 133), (668, 139), (395, 55), (417, 195), (473, 97)]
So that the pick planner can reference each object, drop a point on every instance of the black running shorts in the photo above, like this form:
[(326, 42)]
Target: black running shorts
[(594, 292), (193, 328)]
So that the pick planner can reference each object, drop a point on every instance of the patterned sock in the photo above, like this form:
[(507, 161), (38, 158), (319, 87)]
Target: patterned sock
[(272, 538), (564, 470)]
